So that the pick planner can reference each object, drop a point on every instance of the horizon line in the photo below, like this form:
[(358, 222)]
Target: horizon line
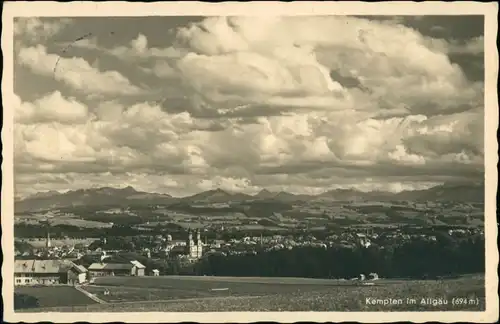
[(248, 194)]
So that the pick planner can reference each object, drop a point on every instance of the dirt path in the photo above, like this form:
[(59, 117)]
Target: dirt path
[(91, 296), (131, 287)]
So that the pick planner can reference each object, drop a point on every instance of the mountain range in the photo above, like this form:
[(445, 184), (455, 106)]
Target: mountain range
[(126, 196)]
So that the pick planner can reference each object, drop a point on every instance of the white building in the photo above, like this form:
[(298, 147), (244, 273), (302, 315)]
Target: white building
[(192, 249), (48, 272)]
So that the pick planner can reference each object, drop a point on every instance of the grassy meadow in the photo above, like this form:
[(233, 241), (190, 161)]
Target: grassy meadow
[(53, 296), (210, 294)]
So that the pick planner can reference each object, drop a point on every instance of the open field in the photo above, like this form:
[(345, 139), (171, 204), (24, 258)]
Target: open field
[(38, 243), (60, 220), (172, 294), (54, 296), (185, 280), (131, 294), (80, 223)]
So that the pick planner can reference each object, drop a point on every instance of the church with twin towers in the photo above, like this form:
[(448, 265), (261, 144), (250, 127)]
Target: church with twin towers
[(194, 247), (191, 248)]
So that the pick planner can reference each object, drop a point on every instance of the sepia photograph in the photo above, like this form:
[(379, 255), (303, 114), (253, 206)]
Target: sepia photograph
[(252, 158)]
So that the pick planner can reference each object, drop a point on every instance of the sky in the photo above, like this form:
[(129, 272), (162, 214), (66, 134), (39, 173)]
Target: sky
[(303, 104)]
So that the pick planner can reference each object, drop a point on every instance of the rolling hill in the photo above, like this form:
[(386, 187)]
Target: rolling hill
[(216, 196), (89, 197), (447, 192), (127, 196)]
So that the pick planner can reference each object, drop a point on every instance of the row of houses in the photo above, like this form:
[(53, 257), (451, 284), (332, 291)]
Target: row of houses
[(48, 272), (59, 272), (134, 268)]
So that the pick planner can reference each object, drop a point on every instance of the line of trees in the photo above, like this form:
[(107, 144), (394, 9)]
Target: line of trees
[(414, 259), (418, 258), (25, 301)]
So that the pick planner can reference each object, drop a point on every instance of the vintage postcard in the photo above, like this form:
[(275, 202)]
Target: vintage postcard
[(244, 162)]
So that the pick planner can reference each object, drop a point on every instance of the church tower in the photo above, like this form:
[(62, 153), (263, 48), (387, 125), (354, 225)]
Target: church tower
[(199, 245), (190, 239), (194, 247), (189, 244), (48, 244)]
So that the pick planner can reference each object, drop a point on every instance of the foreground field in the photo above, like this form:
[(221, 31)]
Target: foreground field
[(202, 294), (132, 294), (52, 296)]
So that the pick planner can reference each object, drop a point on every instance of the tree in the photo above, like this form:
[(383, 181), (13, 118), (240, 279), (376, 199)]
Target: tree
[(25, 301)]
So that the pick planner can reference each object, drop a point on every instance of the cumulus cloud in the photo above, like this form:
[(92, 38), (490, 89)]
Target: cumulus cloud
[(33, 29), (75, 72), (67, 143), (143, 138), (272, 102), (449, 134), (229, 184), (288, 61), (161, 69), (249, 75), (139, 137), (53, 107), (473, 46), (137, 49), (400, 154)]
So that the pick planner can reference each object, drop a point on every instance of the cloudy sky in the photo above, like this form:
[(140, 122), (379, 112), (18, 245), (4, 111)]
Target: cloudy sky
[(304, 104)]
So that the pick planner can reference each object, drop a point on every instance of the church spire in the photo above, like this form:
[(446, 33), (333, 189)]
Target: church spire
[(47, 242), (190, 238)]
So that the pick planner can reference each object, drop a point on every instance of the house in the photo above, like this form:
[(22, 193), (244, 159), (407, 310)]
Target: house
[(110, 269), (133, 268), (77, 275), (138, 269), (48, 272), (175, 251)]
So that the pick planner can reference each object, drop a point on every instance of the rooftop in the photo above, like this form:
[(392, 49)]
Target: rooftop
[(138, 264), (111, 266), (116, 266), (46, 266)]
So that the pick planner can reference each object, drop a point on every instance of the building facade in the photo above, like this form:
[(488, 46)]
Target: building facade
[(195, 247), (133, 268), (138, 269), (77, 275), (48, 272), (191, 248)]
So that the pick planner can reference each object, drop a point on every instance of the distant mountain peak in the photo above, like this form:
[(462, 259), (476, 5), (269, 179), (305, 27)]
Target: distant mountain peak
[(264, 193), (470, 192), (41, 194), (284, 193), (89, 197), (109, 190), (216, 191), (129, 189)]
